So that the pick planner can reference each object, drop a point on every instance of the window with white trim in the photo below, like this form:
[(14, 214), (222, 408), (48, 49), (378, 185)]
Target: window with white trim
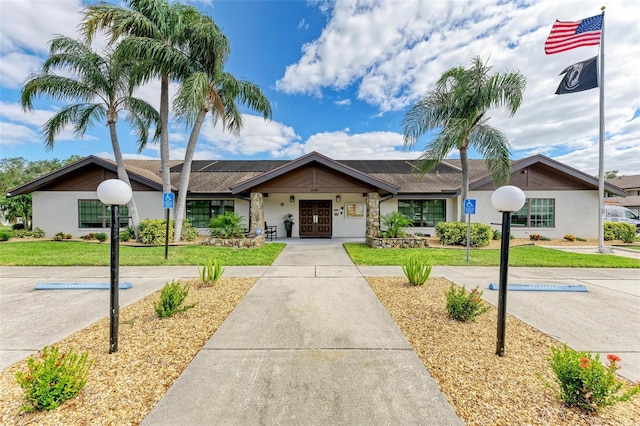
[(536, 213)]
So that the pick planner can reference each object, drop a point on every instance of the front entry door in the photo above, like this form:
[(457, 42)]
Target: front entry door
[(315, 219)]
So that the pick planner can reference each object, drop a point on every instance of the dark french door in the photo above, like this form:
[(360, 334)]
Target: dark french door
[(315, 219)]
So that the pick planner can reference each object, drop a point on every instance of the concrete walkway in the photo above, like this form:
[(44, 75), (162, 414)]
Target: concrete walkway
[(309, 344)]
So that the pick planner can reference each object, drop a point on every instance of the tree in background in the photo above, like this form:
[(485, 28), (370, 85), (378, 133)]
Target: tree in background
[(100, 88), (457, 109), (17, 171)]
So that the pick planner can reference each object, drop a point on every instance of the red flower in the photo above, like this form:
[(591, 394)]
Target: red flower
[(613, 358), (584, 362)]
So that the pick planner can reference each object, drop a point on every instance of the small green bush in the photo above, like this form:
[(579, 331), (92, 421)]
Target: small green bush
[(455, 233), (393, 224), (584, 382), (38, 233), (416, 270), (127, 234), (62, 236), (189, 232), (172, 297), (465, 306), (619, 231), (153, 231), (101, 237), (228, 225), (53, 378), (5, 235), (88, 237), (497, 235), (211, 272)]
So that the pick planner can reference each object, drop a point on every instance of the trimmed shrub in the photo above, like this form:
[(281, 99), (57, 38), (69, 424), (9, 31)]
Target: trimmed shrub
[(153, 231), (189, 232), (619, 231), (455, 233), (53, 378), (62, 236), (38, 233), (101, 237)]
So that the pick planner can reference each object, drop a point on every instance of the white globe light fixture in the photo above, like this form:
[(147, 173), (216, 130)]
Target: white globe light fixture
[(506, 199), (114, 193)]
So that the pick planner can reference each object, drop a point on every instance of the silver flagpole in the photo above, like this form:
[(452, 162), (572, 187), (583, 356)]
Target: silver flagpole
[(601, 247)]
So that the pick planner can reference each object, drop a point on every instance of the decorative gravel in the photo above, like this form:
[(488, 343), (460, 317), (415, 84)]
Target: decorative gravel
[(485, 389), (124, 386)]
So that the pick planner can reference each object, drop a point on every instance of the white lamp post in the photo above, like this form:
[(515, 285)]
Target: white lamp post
[(114, 193), (506, 199)]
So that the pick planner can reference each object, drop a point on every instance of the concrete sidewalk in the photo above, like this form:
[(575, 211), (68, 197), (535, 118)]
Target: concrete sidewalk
[(309, 344)]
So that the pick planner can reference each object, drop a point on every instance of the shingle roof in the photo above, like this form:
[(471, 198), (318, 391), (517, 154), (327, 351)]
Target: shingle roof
[(626, 182)]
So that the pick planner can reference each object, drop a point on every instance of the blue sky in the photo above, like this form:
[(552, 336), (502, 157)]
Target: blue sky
[(341, 75)]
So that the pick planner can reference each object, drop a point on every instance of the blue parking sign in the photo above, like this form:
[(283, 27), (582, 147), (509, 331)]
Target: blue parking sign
[(470, 206), (168, 199)]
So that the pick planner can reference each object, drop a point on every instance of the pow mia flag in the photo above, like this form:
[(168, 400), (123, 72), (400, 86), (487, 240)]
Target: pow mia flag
[(579, 77)]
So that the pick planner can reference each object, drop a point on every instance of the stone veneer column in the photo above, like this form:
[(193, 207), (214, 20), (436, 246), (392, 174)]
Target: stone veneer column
[(373, 214), (257, 214)]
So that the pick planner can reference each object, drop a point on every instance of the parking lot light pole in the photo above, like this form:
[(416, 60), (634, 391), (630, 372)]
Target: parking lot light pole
[(506, 199), (114, 193)]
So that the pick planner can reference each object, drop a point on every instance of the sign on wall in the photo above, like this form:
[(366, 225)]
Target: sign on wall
[(354, 209)]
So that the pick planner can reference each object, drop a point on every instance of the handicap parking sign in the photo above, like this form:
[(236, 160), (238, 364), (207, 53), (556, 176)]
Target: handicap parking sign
[(168, 199), (470, 206)]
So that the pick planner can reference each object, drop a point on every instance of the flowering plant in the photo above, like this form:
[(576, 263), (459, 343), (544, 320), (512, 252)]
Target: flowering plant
[(585, 382)]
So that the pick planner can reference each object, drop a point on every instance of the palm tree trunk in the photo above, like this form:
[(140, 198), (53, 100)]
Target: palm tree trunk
[(464, 165), (164, 133), (185, 176), (124, 176)]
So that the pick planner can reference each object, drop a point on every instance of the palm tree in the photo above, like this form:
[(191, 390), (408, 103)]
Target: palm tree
[(102, 87), (200, 94), (457, 107), (153, 31), (210, 89)]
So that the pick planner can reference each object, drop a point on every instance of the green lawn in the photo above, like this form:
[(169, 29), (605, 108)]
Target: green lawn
[(81, 253), (518, 256)]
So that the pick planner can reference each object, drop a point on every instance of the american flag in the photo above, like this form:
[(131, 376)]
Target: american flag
[(569, 35)]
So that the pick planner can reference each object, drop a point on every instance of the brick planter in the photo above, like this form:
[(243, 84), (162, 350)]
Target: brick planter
[(394, 243)]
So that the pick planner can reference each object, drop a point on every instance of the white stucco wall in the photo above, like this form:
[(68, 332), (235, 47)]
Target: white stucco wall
[(576, 213), (57, 211)]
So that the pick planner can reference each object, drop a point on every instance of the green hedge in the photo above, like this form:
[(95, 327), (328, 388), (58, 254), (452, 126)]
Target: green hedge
[(455, 233), (152, 231), (619, 231)]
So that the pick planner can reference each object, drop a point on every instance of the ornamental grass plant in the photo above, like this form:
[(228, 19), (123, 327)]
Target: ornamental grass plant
[(416, 270)]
